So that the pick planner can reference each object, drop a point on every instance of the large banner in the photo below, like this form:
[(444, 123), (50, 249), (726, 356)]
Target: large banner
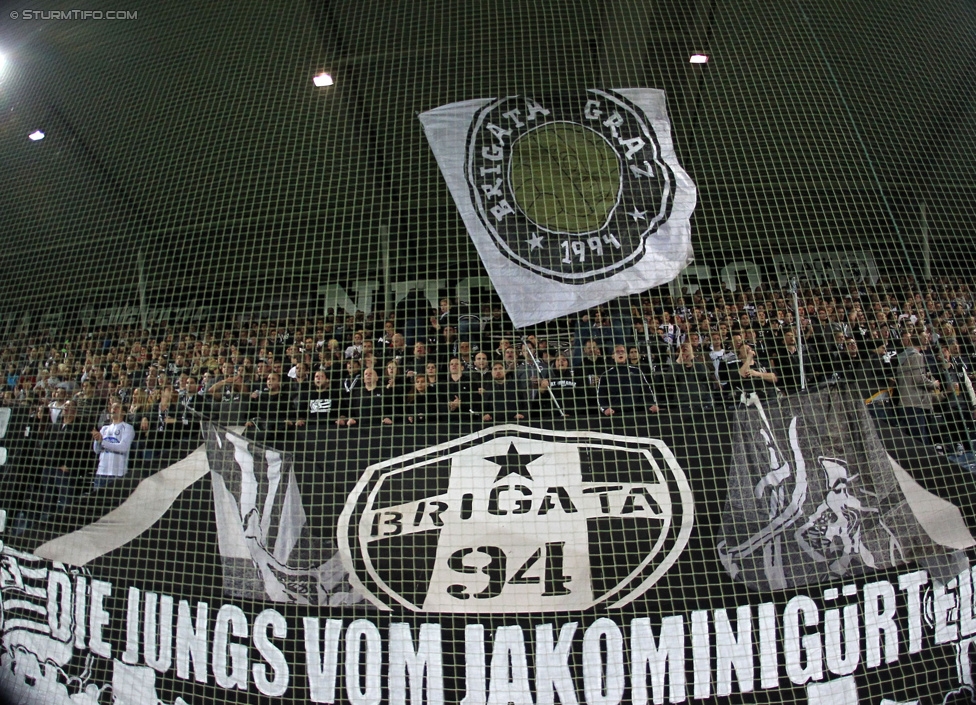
[(814, 495), (570, 200), (789, 551), (266, 548)]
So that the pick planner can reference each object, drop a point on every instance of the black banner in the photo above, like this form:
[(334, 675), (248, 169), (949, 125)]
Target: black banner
[(570, 561)]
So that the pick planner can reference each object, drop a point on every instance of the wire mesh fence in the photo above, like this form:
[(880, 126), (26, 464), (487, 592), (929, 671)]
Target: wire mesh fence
[(487, 353)]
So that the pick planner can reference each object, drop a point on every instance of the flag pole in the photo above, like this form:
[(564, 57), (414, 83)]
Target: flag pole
[(538, 367), (799, 331), (647, 342)]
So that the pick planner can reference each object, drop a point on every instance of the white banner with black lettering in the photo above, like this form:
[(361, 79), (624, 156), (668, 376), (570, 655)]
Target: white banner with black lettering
[(571, 200)]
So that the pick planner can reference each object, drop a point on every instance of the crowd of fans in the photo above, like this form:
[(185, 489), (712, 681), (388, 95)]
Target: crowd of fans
[(906, 347)]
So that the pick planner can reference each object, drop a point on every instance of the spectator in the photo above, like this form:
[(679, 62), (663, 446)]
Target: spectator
[(728, 368), (457, 389), (190, 405), (229, 386), (481, 372), (878, 371), (424, 405), (298, 376), (502, 401), (66, 379), (564, 387), (464, 354), (63, 452), (623, 389), (433, 376), (111, 443), (270, 413), (386, 340), (66, 457), (355, 350), (397, 350), (448, 338), (510, 359), (915, 388), (314, 405), (166, 411), (417, 362), (645, 365), (349, 384), (716, 350), (691, 382), (754, 376), (59, 397), (369, 405), (956, 407), (139, 406), (395, 387), (13, 377), (786, 362)]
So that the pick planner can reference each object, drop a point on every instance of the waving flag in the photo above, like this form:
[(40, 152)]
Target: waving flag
[(266, 548), (814, 495), (570, 200)]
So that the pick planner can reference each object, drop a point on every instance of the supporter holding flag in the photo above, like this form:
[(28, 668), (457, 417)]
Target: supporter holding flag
[(269, 413), (787, 364), (915, 389), (530, 372), (754, 377), (564, 387)]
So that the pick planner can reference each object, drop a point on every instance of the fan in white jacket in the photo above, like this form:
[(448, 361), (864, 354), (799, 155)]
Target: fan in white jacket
[(111, 443)]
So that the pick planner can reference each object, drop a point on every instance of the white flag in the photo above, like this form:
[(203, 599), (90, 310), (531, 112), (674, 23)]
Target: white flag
[(571, 200)]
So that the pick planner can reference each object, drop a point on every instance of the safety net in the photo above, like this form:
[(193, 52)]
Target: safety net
[(487, 352)]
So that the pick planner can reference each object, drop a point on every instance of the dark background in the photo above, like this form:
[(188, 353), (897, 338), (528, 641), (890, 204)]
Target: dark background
[(191, 136)]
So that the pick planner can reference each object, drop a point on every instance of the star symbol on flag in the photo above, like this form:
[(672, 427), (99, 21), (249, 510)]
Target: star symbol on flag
[(638, 214), (535, 242), (513, 462)]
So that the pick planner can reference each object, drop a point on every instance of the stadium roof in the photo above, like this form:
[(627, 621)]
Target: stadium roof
[(191, 134)]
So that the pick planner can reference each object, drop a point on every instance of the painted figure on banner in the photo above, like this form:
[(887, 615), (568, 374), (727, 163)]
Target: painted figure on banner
[(804, 514)]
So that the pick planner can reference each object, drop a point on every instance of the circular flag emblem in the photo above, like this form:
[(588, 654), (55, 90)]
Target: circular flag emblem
[(568, 187), (513, 519)]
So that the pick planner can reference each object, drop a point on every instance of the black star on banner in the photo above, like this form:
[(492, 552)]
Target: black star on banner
[(513, 462)]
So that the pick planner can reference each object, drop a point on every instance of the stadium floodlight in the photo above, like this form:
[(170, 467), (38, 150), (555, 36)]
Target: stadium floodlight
[(698, 59), (322, 80), (36, 135)]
